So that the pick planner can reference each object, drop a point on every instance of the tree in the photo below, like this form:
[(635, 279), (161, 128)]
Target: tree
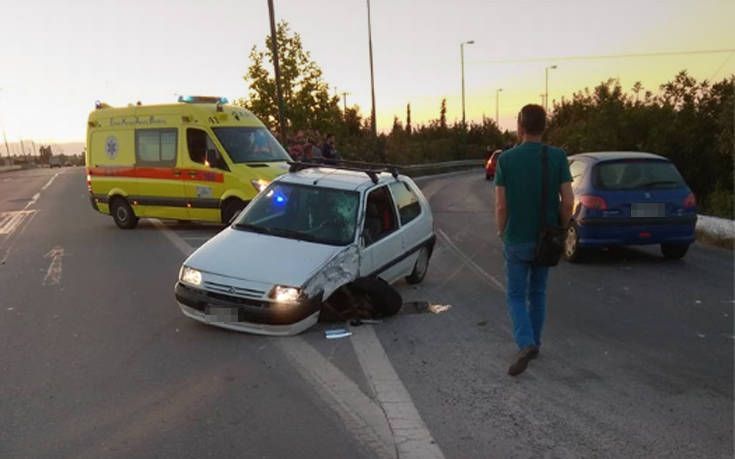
[(308, 104), (44, 153), (443, 115)]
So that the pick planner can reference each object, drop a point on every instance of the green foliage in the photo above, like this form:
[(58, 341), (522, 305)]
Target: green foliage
[(308, 104), (689, 122)]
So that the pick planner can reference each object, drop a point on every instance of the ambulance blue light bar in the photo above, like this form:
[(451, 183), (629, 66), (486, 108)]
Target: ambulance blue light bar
[(202, 100)]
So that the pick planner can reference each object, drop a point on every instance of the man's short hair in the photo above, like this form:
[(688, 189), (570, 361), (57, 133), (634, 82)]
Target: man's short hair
[(532, 118)]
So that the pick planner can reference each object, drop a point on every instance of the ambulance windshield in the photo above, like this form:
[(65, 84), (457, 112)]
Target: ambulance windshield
[(250, 144)]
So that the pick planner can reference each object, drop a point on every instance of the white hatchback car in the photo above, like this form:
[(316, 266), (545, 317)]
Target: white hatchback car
[(309, 233)]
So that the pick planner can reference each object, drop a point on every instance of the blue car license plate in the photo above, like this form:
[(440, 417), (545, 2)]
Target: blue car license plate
[(647, 210)]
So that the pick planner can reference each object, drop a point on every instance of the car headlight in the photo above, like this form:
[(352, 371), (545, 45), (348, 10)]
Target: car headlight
[(284, 294), (190, 276), (259, 184)]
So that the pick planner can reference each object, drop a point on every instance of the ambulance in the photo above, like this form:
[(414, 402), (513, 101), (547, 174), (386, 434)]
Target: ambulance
[(199, 159)]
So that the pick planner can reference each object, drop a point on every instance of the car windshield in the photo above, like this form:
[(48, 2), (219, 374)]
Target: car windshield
[(309, 213), (636, 174), (250, 144)]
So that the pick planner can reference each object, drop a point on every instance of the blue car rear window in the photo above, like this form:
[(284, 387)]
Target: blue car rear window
[(636, 174)]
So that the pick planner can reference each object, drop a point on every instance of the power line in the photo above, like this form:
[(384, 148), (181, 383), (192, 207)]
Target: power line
[(604, 56), (724, 63)]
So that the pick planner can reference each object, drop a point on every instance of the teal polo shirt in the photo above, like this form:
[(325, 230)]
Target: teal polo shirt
[(519, 171)]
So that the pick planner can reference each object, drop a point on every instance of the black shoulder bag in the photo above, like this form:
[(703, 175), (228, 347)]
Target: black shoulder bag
[(551, 237)]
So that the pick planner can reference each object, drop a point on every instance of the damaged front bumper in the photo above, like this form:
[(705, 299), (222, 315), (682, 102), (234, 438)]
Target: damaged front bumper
[(246, 315)]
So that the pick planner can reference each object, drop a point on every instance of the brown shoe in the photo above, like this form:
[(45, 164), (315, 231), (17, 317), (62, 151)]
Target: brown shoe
[(521, 361), (534, 352)]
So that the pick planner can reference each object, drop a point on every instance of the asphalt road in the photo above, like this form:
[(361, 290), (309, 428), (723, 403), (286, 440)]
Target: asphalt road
[(97, 361)]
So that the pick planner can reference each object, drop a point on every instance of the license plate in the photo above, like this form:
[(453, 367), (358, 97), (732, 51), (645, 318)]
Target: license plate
[(648, 209)]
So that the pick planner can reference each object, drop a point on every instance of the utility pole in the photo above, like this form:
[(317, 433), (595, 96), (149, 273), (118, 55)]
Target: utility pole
[(277, 71), (344, 100), (7, 148), (372, 76), (33, 152), (22, 148), (546, 92), (497, 103), (461, 53)]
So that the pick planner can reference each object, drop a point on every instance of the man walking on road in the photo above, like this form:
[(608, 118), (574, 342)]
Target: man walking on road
[(517, 212)]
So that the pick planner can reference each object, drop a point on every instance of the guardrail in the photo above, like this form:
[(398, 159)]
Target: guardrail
[(415, 170), (9, 168)]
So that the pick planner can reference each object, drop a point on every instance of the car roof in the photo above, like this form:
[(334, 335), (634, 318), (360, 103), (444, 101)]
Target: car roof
[(342, 179), (616, 155)]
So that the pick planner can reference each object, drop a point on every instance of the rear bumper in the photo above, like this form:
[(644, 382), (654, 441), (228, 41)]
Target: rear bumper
[(235, 313), (606, 231)]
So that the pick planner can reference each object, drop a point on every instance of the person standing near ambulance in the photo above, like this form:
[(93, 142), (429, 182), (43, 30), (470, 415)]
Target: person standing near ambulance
[(517, 212)]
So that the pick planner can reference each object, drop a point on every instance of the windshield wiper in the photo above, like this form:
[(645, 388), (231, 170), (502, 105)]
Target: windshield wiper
[(254, 228), (660, 182)]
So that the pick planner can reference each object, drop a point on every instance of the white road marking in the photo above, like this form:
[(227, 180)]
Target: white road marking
[(10, 221), (411, 436), (489, 277), (360, 414), (53, 274), (51, 180), (9, 242)]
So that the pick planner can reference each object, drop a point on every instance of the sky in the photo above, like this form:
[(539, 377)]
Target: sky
[(57, 58)]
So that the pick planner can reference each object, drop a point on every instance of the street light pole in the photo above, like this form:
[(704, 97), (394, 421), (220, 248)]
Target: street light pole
[(279, 94), (497, 103), (546, 93), (372, 76), (344, 100), (461, 53)]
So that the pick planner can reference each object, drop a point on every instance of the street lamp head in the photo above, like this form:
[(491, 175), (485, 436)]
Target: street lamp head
[(553, 67), (470, 42)]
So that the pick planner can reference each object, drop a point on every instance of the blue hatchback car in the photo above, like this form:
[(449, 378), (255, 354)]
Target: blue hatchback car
[(623, 198)]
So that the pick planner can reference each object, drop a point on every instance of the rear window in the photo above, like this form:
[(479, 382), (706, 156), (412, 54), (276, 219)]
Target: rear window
[(635, 174)]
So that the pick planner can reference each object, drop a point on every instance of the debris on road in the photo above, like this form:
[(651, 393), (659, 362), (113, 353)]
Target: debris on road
[(419, 307), (337, 333), (365, 298)]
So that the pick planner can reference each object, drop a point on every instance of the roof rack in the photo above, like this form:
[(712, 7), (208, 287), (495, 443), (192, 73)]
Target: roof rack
[(371, 169)]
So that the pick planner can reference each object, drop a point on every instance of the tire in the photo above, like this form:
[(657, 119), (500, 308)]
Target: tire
[(230, 209), (572, 250), (385, 300), (123, 214), (674, 251), (420, 267)]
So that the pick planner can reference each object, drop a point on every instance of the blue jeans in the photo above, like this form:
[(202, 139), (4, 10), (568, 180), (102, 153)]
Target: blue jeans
[(526, 294)]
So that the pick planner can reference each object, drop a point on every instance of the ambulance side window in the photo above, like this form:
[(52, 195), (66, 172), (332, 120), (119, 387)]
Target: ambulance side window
[(155, 147), (199, 143)]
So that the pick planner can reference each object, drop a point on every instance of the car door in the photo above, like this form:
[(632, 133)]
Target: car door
[(160, 189), (203, 176), (414, 227), (380, 238)]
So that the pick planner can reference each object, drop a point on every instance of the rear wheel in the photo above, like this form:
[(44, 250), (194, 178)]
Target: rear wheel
[(123, 214), (230, 209), (572, 250), (674, 251), (420, 267)]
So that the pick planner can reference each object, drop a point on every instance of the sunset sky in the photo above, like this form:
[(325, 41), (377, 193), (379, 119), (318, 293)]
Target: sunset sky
[(57, 58)]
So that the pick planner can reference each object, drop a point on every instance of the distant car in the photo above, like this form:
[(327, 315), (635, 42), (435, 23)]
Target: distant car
[(54, 161), (623, 198), (307, 234), (491, 164)]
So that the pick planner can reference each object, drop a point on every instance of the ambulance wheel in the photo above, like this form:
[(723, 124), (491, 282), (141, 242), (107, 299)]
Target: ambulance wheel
[(230, 209), (123, 214)]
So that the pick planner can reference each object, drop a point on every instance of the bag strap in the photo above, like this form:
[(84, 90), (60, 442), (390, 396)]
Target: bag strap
[(544, 186)]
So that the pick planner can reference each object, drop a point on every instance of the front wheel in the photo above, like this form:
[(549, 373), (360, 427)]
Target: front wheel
[(123, 214), (572, 250), (420, 267), (674, 251), (231, 209)]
